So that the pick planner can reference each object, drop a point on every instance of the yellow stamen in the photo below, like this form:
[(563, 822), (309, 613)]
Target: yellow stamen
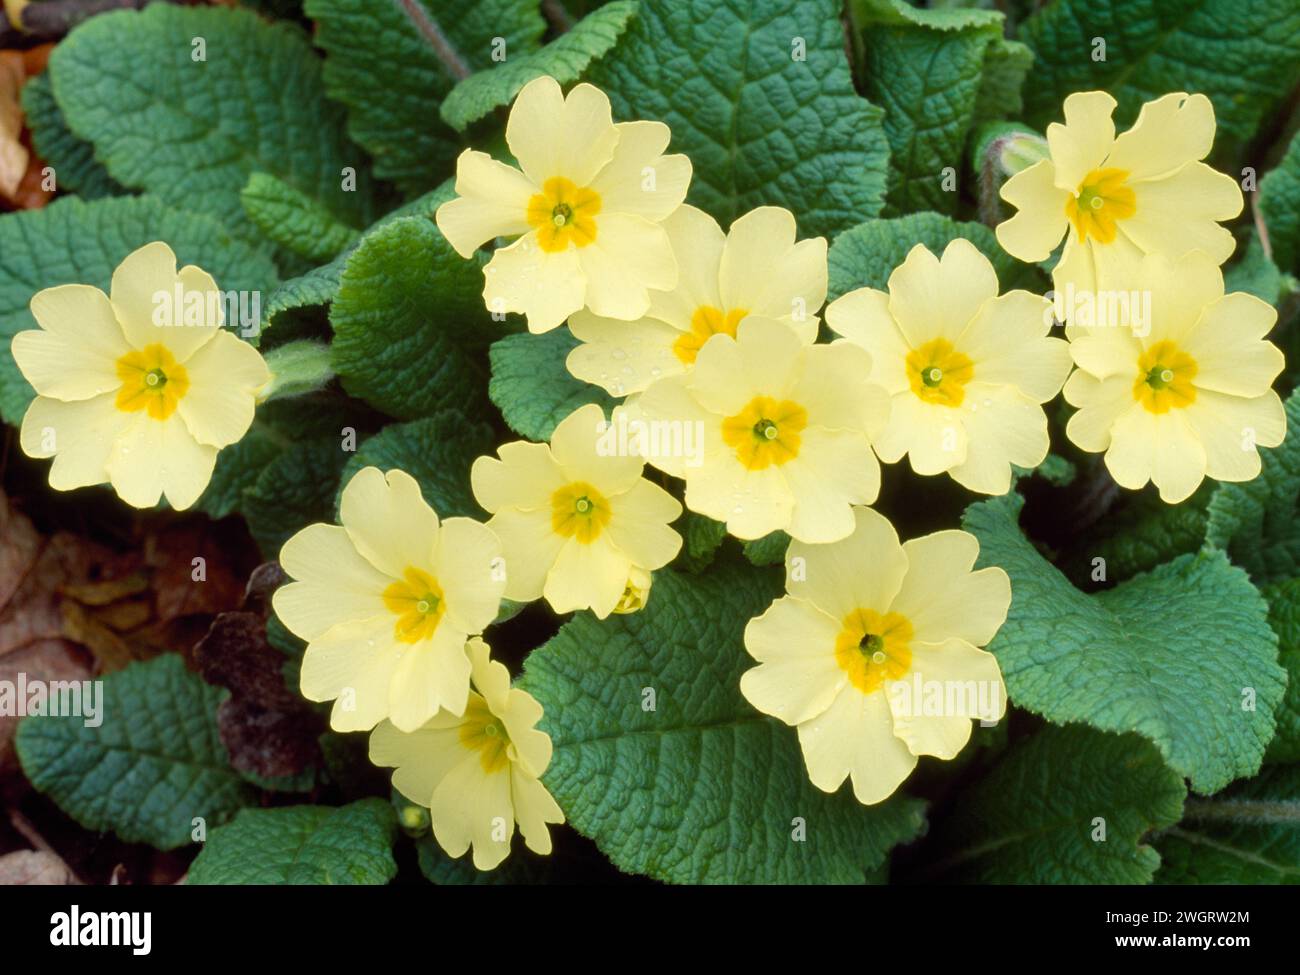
[(1104, 198), (563, 214), (938, 373), (1164, 380), (483, 732), (872, 648), (418, 603), (579, 511), (152, 380), (766, 432), (706, 322)]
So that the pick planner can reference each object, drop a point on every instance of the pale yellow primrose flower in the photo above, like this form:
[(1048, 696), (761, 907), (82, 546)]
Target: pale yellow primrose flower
[(966, 370), (785, 431), (480, 773), (1190, 398), (756, 269), (135, 389), (579, 525), (1116, 199), (589, 203), (873, 653), (386, 603)]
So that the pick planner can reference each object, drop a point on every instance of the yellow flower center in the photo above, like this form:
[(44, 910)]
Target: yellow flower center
[(579, 511), (563, 214), (1104, 198), (417, 602), (706, 322), (152, 380), (482, 731), (939, 373), (872, 648), (1164, 379), (765, 432)]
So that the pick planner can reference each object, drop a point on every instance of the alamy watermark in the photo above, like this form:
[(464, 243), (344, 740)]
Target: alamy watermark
[(651, 439), (34, 697), (180, 307)]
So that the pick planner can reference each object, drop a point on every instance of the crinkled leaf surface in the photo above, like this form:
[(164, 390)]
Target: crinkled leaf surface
[(761, 124), (533, 388), (1173, 654), (703, 788), (302, 845), (154, 763)]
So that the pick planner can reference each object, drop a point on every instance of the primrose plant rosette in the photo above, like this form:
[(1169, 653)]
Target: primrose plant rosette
[(873, 653), (134, 388), (587, 205), (386, 603)]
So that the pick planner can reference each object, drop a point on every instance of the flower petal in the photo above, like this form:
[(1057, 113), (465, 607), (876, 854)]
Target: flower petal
[(1100, 403), (525, 477), (862, 571), (798, 676), (640, 179), (1171, 131), (1181, 212), (968, 681), (640, 525), (933, 436), (835, 469), (530, 548), (629, 255), (587, 576), (74, 354), (389, 522), (1227, 344), (1009, 344), (1034, 231), (546, 287), (430, 676), (943, 598), (855, 737), (159, 457), (863, 318), (534, 808), (623, 357), (492, 201), (334, 583), (766, 272), (1003, 427), (1159, 447), (1082, 143), (225, 376), (422, 758), (78, 435), (577, 445), (469, 805), (1229, 429), (936, 298), (552, 135), (471, 569), (353, 664)]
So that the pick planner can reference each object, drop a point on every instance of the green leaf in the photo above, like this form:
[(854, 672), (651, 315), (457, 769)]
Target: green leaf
[(703, 788), (768, 550), (410, 327), (926, 69), (1255, 522), (564, 59), (319, 286), (293, 219), (1169, 654), (302, 845), (1279, 207), (437, 451), (238, 468), (294, 490), (865, 255), (72, 159), (759, 96), (1243, 54), (1140, 536), (74, 242), (154, 764), (1249, 834), (701, 539), (193, 132), (1033, 819), (392, 62), (1256, 274), (1006, 65), (531, 386), (1284, 617)]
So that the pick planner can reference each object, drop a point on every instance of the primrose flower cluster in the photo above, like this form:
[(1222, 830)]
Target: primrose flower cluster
[(712, 338)]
